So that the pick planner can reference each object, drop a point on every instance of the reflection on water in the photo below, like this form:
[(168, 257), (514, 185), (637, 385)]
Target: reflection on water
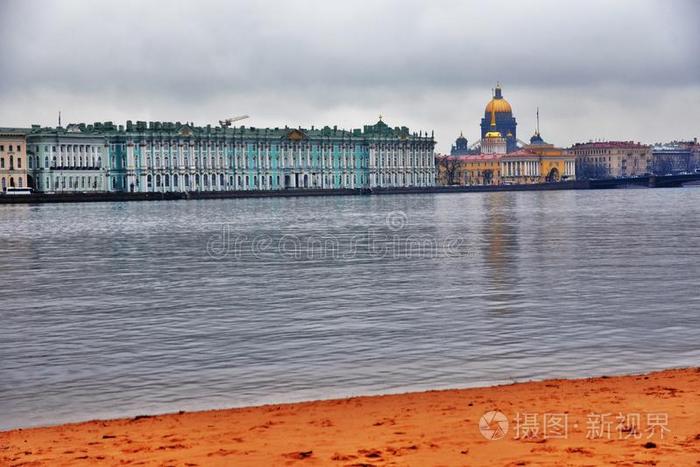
[(501, 244), (115, 309)]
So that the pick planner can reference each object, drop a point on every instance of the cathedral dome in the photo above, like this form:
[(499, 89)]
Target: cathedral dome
[(498, 104)]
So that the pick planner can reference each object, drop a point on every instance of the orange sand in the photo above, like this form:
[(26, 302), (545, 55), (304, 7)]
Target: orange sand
[(421, 429)]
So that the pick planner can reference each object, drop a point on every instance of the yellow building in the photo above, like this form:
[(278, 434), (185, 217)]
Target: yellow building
[(13, 159), (538, 162), (612, 159), (482, 169), (477, 169)]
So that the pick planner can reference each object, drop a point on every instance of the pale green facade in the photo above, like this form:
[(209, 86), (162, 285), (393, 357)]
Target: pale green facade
[(164, 156)]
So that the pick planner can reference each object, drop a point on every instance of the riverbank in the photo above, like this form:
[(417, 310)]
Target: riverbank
[(169, 196), (625, 420), (646, 181)]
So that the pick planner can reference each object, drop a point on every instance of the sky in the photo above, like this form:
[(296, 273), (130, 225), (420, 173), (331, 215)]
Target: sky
[(622, 70)]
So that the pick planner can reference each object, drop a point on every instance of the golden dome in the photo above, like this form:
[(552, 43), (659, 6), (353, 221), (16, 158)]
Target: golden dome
[(498, 105), (493, 134)]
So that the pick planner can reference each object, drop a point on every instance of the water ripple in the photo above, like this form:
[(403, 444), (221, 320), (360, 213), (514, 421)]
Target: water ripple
[(116, 309)]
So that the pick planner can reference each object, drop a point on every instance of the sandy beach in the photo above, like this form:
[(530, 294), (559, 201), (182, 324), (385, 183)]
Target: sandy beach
[(625, 420)]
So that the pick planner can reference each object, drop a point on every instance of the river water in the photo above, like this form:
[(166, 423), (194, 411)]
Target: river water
[(120, 309)]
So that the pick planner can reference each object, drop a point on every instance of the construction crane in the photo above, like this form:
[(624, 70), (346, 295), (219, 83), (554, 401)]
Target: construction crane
[(227, 123)]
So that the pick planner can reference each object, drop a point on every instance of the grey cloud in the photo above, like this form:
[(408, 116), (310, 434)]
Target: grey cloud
[(427, 64)]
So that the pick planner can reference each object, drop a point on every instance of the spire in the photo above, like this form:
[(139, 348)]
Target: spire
[(493, 116), (536, 138)]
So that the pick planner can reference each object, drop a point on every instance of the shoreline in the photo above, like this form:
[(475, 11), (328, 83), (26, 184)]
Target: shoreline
[(667, 181), (36, 198), (651, 418)]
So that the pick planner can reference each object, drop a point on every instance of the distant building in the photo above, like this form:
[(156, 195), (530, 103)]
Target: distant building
[(166, 156), (482, 169), (493, 142), (505, 123), (538, 162), (611, 159), (472, 169), (522, 167), (675, 157), (461, 146), (13, 158), (69, 159)]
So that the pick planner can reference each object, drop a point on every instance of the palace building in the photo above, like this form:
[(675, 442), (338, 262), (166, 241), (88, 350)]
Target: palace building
[(166, 156), (67, 159)]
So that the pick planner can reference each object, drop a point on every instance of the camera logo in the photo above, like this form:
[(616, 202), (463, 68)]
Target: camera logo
[(493, 425)]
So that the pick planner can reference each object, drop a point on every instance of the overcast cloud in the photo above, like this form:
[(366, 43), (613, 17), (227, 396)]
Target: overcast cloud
[(597, 69)]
